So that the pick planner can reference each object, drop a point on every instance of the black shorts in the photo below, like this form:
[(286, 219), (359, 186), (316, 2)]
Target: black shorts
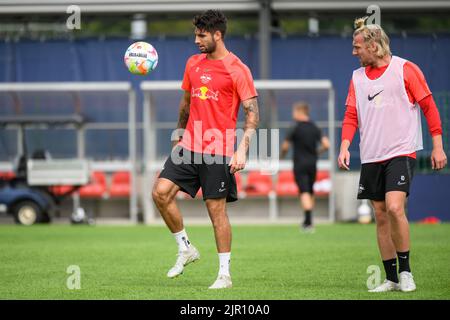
[(377, 179), (196, 171), (305, 177)]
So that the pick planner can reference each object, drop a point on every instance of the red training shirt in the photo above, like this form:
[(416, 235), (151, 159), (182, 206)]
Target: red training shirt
[(217, 88)]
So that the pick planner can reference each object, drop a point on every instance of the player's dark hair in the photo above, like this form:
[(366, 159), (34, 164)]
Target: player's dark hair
[(211, 21)]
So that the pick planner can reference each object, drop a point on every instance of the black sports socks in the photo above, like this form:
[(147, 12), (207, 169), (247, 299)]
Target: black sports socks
[(390, 266), (403, 261)]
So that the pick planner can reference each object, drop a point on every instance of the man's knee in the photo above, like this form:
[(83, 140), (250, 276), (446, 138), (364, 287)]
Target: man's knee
[(217, 213), (380, 212), (161, 195), (395, 210), (381, 217)]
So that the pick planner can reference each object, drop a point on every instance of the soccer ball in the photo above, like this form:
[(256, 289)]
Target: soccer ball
[(141, 58)]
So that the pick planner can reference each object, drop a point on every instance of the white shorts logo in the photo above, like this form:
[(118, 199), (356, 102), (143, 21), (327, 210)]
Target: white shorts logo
[(402, 181), (361, 189)]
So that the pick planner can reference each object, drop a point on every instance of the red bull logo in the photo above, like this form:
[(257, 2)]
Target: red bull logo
[(204, 93), (205, 78)]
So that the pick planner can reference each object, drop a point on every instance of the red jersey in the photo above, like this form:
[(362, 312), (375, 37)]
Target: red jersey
[(217, 88), (417, 90)]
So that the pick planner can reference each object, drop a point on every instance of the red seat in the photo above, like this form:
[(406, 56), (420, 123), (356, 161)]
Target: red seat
[(60, 190), (7, 175), (258, 184), (120, 184), (321, 175), (97, 187), (322, 186), (286, 185)]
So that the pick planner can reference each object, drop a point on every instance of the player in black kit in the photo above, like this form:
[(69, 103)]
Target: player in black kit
[(308, 143)]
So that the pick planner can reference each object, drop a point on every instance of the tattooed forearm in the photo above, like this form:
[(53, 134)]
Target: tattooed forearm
[(251, 110), (183, 118), (251, 113), (184, 111)]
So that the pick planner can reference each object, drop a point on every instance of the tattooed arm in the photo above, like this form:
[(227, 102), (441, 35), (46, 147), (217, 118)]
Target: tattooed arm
[(251, 110), (183, 116)]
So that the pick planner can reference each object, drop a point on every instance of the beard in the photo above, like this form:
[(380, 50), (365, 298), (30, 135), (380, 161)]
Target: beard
[(208, 48), (368, 61), (365, 63)]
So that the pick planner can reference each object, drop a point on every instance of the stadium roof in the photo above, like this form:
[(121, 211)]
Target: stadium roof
[(157, 6)]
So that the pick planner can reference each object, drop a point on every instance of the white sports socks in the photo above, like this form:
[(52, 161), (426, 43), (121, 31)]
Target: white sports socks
[(224, 263), (182, 240)]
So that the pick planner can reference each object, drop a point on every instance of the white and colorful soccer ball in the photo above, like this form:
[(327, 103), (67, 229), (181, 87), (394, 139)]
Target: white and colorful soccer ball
[(141, 58)]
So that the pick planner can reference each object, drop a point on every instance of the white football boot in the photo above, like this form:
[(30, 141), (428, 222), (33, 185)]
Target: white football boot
[(222, 282), (183, 259), (386, 286), (406, 281)]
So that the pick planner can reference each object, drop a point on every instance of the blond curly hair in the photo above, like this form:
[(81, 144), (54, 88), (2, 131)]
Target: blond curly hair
[(373, 33)]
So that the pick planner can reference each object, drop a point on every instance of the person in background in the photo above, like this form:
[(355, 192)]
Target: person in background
[(308, 143)]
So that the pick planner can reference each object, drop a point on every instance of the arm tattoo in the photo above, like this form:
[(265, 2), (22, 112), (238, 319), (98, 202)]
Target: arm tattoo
[(251, 113), (184, 112), (183, 118), (251, 120)]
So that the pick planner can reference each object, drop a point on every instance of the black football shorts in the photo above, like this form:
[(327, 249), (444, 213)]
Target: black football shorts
[(192, 171), (305, 176), (378, 178)]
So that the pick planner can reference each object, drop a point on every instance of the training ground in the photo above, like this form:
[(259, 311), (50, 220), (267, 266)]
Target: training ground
[(268, 262)]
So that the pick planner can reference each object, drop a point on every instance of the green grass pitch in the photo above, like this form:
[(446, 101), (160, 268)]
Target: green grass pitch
[(268, 262)]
